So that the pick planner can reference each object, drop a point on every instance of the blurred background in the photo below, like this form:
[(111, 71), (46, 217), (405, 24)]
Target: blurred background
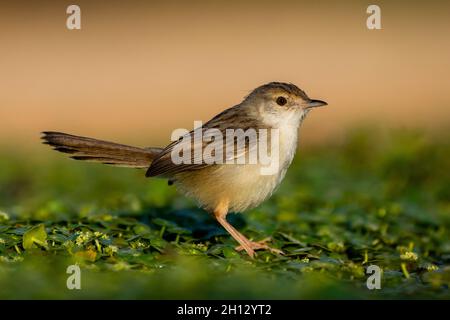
[(371, 183), (137, 70)]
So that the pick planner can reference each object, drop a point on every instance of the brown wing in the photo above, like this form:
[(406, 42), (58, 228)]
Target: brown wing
[(164, 166)]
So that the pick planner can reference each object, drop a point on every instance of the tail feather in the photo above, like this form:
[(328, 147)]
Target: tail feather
[(89, 149)]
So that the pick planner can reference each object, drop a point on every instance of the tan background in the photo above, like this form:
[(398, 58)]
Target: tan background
[(137, 69)]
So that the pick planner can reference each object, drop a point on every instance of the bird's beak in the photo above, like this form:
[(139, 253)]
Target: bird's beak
[(315, 103)]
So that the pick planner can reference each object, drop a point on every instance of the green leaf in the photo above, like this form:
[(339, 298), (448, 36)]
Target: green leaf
[(35, 235), (89, 255)]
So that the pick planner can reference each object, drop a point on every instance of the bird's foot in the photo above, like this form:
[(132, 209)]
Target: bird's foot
[(258, 245)]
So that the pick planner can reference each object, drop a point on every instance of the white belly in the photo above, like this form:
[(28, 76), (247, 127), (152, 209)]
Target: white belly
[(243, 186)]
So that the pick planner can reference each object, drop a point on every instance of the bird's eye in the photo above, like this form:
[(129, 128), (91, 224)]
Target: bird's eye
[(281, 101)]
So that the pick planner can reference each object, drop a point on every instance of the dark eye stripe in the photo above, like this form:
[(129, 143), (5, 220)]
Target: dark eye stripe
[(281, 101)]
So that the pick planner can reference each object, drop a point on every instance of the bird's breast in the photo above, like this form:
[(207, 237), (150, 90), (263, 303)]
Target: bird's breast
[(244, 186)]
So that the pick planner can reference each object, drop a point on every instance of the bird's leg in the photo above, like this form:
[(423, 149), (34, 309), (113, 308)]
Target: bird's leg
[(262, 244), (220, 214)]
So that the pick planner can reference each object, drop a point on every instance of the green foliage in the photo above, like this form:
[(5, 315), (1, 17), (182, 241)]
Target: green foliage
[(372, 200), (35, 236)]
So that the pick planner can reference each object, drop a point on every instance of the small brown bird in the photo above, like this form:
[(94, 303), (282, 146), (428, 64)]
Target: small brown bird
[(218, 186)]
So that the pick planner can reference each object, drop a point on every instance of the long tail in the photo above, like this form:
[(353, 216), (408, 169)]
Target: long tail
[(89, 149)]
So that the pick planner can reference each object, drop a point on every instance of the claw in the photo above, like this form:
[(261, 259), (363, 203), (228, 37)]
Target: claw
[(260, 245)]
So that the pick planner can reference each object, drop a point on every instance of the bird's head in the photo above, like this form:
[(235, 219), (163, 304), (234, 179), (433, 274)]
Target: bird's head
[(281, 99)]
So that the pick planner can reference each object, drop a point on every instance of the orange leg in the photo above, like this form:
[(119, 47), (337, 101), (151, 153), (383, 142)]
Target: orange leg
[(261, 245), (220, 214)]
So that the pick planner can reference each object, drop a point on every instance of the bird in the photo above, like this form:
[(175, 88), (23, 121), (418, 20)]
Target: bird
[(218, 187)]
